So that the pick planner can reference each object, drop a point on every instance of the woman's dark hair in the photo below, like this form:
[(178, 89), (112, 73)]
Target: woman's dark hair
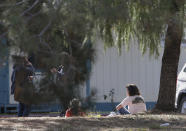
[(75, 106), (132, 90)]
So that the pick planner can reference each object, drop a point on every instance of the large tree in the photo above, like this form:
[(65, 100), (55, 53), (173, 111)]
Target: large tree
[(54, 33), (70, 22), (149, 22), (170, 60)]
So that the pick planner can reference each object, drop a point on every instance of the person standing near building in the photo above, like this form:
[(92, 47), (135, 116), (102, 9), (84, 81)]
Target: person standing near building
[(23, 72)]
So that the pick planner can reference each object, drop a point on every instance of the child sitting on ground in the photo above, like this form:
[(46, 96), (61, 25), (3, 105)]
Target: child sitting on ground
[(134, 101), (74, 109)]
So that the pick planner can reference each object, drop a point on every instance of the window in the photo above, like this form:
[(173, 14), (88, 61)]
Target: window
[(184, 70), (184, 37)]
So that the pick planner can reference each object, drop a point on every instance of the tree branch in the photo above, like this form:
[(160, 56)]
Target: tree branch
[(45, 28), (33, 15), (46, 44), (19, 3), (71, 40), (31, 7), (16, 4)]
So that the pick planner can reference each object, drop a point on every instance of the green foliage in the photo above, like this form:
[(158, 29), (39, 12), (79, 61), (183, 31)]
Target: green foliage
[(57, 31), (144, 20), (117, 21)]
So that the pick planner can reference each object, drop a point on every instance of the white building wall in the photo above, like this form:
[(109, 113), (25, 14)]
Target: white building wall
[(11, 98), (114, 71)]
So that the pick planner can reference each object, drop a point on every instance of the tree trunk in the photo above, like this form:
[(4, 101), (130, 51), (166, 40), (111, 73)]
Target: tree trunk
[(170, 60)]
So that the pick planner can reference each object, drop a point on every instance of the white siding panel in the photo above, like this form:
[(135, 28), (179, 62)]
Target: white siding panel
[(11, 97), (112, 70), (129, 67)]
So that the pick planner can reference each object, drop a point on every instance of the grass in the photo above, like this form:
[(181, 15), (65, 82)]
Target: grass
[(143, 122)]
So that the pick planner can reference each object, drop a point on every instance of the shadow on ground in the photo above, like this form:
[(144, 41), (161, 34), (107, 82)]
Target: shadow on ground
[(130, 122)]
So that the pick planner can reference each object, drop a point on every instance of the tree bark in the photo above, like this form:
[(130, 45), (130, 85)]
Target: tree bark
[(170, 60)]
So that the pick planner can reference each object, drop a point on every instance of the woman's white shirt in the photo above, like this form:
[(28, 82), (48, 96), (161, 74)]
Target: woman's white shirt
[(135, 104)]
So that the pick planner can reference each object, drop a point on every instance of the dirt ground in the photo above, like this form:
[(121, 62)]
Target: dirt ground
[(119, 123)]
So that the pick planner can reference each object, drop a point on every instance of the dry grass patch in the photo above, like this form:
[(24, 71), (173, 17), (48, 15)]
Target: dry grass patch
[(120, 123)]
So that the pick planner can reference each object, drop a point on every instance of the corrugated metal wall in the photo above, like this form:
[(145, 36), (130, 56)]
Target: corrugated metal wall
[(114, 71)]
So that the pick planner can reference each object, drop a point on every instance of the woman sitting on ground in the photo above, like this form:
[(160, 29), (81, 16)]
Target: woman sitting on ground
[(134, 101), (74, 109)]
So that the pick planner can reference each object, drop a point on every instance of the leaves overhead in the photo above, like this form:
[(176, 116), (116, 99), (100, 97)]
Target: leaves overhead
[(57, 33), (122, 21), (117, 21)]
